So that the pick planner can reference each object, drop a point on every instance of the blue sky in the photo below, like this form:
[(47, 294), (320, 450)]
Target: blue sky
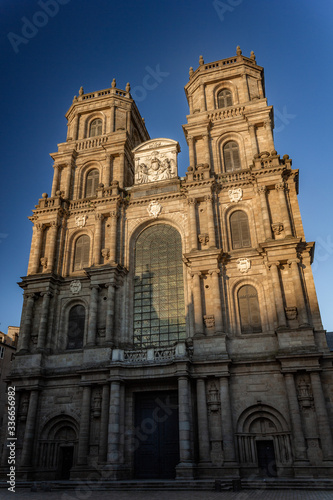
[(80, 42)]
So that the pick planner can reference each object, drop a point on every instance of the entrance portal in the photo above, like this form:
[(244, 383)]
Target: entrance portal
[(156, 435), (65, 461), (266, 458)]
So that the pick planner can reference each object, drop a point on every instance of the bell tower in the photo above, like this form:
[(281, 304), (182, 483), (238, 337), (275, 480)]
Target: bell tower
[(227, 104)]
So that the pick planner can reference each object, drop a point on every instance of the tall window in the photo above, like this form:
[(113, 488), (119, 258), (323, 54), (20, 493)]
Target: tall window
[(159, 309), (92, 182), (75, 333), (96, 127), (81, 253), (231, 156), (240, 231), (224, 98), (249, 309)]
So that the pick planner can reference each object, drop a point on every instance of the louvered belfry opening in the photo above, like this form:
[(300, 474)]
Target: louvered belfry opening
[(240, 231), (224, 98), (249, 309), (231, 156), (75, 333), (159, 309), (92, 183), (81, 254), (96, 127)]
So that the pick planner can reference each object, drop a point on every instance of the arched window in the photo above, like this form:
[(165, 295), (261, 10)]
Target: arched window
[(240, 231), (224, 98), (159, 309), (81, 253), (96, 127), (92, 183), (249, 309), (231, 156), (75, 333)]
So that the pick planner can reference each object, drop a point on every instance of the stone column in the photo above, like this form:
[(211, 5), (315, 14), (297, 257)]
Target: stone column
[(280, 312), (112, 124), (207, 150), (92, 325), (226, 417), (25, 331), (37, 243), (216, 300), (204, 442), (185, 450), (269, 134), (52, 245), (43, 321), (191, 149), (29, 432), (280, 187), (103, 433), (76, 127), (83, 447), (210, 220), (98, 239), (55, 183), (264, 211), (299, 294), (197, 304), (203, 98), (68, 181), (245, 88), (113, 231), (109, 314), (128, 121), (253, 138), (193, 223), (295, 416), (114, 424), (322, 417), (121, 170), (107, 170)]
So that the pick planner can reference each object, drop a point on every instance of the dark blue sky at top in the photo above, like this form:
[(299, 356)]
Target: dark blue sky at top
[(90, 43)]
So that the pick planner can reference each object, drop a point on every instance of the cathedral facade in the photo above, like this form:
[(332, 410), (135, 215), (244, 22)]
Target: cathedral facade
[(170, 326)]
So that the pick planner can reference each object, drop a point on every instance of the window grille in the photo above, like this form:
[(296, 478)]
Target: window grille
[(159, 308)]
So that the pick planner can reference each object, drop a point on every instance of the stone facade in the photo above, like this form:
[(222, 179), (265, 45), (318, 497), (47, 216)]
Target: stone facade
[(170, 325)]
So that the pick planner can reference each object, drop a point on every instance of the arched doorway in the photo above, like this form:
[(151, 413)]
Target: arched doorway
[(57, 448), (263, 440)]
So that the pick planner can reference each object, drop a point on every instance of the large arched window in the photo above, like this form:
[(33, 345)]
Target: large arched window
[(75, 332), (92, 183), (96, 127), (224, 98), (231, 156), (81, 253), (240, 231), (249, 309), (159, 310)]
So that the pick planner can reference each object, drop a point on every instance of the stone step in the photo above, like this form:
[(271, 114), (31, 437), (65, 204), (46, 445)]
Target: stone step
[(282, 484)]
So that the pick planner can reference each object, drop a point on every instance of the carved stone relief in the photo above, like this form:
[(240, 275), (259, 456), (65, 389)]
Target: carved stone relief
[(152, 164)]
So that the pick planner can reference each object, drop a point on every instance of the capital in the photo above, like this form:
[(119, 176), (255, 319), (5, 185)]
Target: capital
[(114, 214), (99, 217), (293, 261), (280, 186), (262, 189), (273, 264), (209, 198), (39, 226), (191, 201), (214, 272)]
